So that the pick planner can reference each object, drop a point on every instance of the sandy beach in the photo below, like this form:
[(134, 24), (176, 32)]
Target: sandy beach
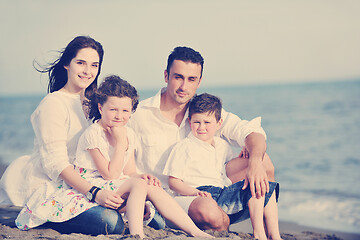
[(241, 230)]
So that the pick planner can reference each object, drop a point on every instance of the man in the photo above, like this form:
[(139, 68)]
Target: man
[(161, 121)]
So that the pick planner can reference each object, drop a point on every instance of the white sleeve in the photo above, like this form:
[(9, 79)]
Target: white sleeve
[(89, 140), (236, 130), (50, 124)]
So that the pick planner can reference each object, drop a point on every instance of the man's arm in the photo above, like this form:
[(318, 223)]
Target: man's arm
[(235, 130), (256, 175)]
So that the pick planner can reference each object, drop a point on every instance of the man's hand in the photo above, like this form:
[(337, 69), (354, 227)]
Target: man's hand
[(244, 153), (257, 178)]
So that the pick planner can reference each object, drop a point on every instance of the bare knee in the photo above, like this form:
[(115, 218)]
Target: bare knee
[(236, 169), (207, 214), (138, 183), (269, 167)]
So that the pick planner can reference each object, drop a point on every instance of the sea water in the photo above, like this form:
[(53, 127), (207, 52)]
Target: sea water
[(313, 139)]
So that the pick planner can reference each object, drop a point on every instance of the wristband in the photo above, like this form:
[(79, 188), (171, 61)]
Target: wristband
[(94, 194), (89, 194)]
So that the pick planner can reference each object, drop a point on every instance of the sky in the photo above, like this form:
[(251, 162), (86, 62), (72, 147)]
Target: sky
[(242, 42)]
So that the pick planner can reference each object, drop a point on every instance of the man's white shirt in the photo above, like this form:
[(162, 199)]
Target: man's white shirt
[(157, 135)]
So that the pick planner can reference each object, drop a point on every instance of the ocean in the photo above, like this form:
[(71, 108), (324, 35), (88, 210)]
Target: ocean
[(313, 139)]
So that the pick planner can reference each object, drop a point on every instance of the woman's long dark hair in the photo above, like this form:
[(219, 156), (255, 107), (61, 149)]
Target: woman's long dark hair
[(58, 74)]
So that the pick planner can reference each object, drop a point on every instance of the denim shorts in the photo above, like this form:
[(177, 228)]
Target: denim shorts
[(233, 199)]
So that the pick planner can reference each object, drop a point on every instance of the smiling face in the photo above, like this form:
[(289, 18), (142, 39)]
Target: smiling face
[(204, 126), (182, 81), (82, 70), (115, 112)]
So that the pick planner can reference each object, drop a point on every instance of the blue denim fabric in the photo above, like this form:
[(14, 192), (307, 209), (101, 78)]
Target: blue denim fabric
[(158, 222), (97, 220), (233, 200)]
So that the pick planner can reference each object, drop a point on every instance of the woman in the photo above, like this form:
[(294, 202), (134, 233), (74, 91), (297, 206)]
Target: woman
[(58, 122)]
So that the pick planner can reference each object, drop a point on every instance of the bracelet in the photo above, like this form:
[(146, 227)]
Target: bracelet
[(94, 194), (92, 189)]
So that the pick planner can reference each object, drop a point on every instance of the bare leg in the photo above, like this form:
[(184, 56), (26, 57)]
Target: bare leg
[(271, 218), (172, 211), (135, 190), (236, 169), (256, 208), (216, 219)]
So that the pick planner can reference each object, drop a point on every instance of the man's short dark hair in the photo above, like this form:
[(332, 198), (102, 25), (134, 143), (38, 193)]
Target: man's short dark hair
[(204, 103), (185, 54)]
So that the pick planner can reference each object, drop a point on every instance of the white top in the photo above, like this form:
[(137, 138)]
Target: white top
[(58, 122), (198, 163), (94, 137), (157, 134), (63, 202)]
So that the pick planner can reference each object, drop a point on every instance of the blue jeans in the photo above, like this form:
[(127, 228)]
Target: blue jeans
[(158, 222), (233, 199), (97, 220)]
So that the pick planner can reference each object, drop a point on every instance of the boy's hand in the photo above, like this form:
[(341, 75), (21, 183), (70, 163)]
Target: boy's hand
[(151, 180), (203, 194)]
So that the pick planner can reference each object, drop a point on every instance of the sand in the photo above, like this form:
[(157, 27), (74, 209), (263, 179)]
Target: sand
[(289, 231)]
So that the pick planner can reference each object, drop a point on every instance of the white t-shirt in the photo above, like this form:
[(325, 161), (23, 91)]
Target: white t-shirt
[(157, 134), (198, 163)]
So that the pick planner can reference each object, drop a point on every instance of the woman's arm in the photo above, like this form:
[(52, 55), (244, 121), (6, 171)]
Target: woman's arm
[(104, 198)]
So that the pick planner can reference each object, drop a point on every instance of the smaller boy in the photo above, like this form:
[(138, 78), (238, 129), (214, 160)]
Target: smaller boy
[(196, 167)]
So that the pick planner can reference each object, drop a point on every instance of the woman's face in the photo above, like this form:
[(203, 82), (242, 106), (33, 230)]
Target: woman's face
[(82, 70)]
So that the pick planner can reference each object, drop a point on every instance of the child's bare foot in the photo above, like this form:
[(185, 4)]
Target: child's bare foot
[(260, 236), (277, 238), (202, 234)]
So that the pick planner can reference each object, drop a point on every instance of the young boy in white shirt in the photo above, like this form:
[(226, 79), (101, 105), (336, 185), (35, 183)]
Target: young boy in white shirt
[(196, 167)]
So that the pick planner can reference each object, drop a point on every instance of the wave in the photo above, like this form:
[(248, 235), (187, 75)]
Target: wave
[(321, 210)]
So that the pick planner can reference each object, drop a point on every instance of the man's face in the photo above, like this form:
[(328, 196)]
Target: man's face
[(183, 80)]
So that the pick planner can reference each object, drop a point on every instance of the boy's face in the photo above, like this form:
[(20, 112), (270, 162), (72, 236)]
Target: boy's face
[(204, 126)]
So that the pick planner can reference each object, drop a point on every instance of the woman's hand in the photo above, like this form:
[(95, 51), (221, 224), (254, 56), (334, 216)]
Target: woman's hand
[(151, 180), (109, 199)]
